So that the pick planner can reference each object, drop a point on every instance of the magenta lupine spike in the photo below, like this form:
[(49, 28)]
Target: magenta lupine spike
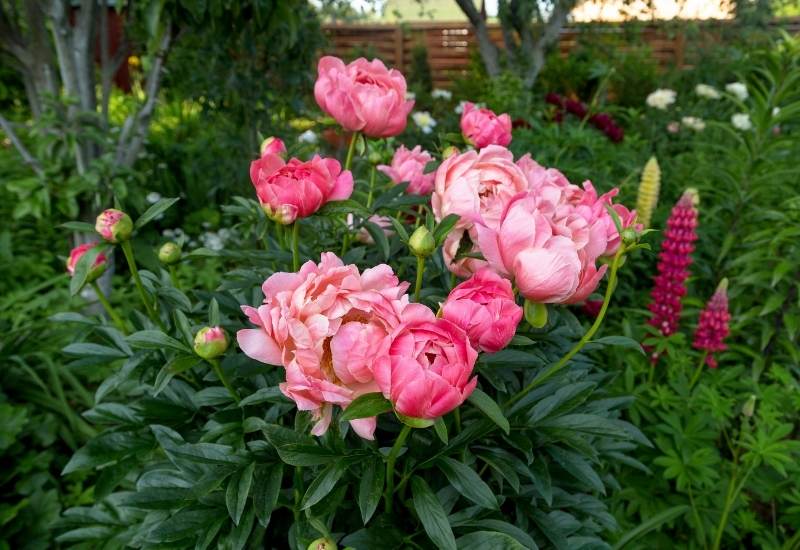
[(712, 327), (673, 265)]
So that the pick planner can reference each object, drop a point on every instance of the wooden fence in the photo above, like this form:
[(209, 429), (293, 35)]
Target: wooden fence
[(448, 45)]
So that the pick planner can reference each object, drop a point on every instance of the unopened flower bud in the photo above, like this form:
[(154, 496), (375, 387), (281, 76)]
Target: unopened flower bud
[(449, 152), (421, 242), (322, 543), (210, 342), (375, 157), (77, 253), (749, 408), (114, 225), (169, 253), (273, 146), (629, 236)]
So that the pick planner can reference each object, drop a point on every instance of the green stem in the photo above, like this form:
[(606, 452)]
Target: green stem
[(345, 243), (420, 271), (224, 379), (295, 250), (549, 373), (730, 498), (457, 419), (371, 186), (127, 249), (698, 371), (173, 276), (350, 150), (697, 518), (390, 461), (109, 308)]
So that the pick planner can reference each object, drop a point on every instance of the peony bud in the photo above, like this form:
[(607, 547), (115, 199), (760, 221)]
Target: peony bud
[(114, 225), (99, 262), (169, 253), (629, 236), (449, 152), (273, 146), (421, 242), (322, 543), (210, 342), (749, 408)]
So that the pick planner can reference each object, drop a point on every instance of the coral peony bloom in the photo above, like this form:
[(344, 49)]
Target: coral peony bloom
[(476, 186), (77, 253), (481, 127), (484, 307), (408, 166), (426, 369), (273, 146), (363, 96), (297, 189), (325, 324)]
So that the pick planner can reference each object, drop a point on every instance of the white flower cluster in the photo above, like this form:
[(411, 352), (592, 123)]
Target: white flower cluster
[(738, 89), (661, 98), (308, 137), (424, 121), (693, 123), (707, 91), (438, 93), (741, 121)]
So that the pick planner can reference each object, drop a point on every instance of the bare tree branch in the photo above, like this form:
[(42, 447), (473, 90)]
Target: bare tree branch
[(485, 45), (134, 130), (23, 151), (550, 34)]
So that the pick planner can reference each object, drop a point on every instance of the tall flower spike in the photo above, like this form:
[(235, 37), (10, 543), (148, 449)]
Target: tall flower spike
[(673, 265), (712, 328), (647, 198)]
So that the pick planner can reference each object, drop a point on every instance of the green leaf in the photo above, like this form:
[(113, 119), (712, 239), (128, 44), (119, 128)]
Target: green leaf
[(444, 228), (213, 313), (513, 531), (578, 467), (377, 234), (621, 341), (490, 408), (272, 394), (467, 482), (153, 212), (266, 488), (370, 488), (81, 227), (367, 405), (399, 229), (481, 540), (237, 491), (323, 484), (177, 365), (653, 523), (441, 429), (432, 515), (614, 216), (155, 339), (337, 208), (85, 349)]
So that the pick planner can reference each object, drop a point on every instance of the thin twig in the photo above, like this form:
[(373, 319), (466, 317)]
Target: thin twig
[(23, 151)]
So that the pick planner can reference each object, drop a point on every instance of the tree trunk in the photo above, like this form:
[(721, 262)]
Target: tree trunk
[(550, 35), (486, 47)]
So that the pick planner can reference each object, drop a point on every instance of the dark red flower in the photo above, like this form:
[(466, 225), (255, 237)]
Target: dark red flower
[(554, 99), (712, 328), (577, 108)]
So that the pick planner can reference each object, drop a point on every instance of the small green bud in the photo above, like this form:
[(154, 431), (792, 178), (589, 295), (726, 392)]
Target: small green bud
[(169, 253), (421, 242), (375, 157), (210, 342), (449, 152), (114, 225), (629, 236), (322, 543)]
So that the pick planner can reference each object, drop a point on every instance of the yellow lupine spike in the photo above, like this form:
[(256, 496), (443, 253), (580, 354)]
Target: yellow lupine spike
[(649, 187)]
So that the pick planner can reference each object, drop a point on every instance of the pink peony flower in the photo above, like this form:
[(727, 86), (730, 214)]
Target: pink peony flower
[(273, 146), (426, 369), (114, 225), (363, 96), (76, 253), (545, 266), (712, 328), (325, 325), (408, 166), (297, 189), (363, 236), (481, 127), (476, 186), (484, 307)]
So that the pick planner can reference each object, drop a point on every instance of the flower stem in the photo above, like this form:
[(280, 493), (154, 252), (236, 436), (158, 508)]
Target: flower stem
[(350, 150), (390, 461), (420, 271), (371, 186), (127, 249), (173, 275), (555, 369), (224, 379), (295, 250), (698, 371), (109, 308), (730, 498)]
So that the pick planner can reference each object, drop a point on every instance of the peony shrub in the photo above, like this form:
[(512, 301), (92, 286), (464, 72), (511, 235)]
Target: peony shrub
[(427, 386)]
